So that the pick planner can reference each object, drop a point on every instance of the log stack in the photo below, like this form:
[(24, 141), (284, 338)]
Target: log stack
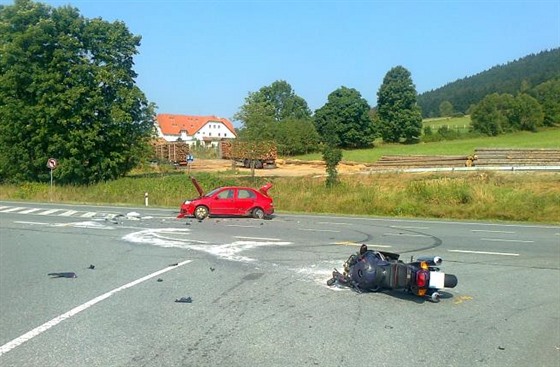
[(513, 157), (240, 150), (174, 152), (422, 161)]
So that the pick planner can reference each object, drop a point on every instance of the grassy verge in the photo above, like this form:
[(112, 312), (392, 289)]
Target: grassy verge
[(524, 197)]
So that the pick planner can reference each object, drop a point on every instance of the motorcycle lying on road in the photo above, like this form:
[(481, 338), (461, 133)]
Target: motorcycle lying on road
[(374, 271)]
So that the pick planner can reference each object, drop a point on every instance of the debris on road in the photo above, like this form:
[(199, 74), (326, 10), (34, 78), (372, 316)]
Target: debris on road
[(91, 267), (184, 300), (63, 275)]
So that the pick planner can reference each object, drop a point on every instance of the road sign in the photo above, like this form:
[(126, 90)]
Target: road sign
[(52, 163)]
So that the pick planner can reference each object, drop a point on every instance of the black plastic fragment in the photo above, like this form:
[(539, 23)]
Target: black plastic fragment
[(63, 275), (184, 300)]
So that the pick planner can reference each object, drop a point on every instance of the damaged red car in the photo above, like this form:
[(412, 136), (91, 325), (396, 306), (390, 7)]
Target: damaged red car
[(229, 201)]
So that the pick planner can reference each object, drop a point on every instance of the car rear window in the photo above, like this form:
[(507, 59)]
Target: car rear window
[(246, 194)]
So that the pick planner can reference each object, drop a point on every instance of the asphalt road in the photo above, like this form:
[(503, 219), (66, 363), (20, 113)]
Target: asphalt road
[(259, 293)]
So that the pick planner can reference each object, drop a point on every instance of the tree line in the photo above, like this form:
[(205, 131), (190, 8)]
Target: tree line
[(67, 90), (515, 77)]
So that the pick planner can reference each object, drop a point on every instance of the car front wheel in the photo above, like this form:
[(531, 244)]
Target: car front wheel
[(258, 213), (201, 212)]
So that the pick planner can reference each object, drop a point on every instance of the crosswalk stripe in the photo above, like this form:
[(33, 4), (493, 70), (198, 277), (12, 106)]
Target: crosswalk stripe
[(50, 211), (68, 213), (88, 215), (30, 211), (13, 209)]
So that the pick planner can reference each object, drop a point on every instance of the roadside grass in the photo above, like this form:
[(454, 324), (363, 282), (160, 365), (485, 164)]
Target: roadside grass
[(523, 197)]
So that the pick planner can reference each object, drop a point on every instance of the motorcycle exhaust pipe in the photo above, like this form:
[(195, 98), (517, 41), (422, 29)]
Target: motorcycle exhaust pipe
[(431, 260)]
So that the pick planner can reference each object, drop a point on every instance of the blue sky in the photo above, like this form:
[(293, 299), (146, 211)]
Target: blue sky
[(203, 57)]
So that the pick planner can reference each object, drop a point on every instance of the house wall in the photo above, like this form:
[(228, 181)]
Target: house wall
[(214, 130)]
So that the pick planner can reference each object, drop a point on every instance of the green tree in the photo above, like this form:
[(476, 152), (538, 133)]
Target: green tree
[(400, 117), (445, 109), (276, 113), (527, 113), (67, 91), (332, 156), (548, 96), (344, 121), (492, 115), (295, 136)]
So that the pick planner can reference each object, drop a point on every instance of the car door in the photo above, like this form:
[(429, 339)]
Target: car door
[(223, 202), (245, 200)]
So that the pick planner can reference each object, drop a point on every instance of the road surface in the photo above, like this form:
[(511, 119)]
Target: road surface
[(259, 293)]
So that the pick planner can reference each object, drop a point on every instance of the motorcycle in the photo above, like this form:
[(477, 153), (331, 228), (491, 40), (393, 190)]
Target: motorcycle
[(375, 271)]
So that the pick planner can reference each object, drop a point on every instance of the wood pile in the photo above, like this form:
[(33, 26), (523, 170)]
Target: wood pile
[(517, 157), (175, 152), (239, 150), (422, 161)]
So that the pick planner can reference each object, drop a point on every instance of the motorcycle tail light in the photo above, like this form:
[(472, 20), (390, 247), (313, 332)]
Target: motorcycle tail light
[(422, 279)]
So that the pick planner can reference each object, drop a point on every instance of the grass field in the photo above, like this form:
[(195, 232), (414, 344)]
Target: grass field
[(547, 138)]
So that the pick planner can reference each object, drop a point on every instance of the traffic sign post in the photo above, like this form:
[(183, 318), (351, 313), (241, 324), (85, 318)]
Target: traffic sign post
[(190, 159), (51, 164)]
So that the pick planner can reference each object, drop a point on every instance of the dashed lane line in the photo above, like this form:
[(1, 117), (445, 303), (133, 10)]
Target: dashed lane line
[(485, 252)]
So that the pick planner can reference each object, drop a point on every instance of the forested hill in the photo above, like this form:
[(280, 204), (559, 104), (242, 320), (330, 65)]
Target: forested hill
[(513, 77)]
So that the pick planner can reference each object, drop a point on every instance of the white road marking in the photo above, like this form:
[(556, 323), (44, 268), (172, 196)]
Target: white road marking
[(404, 234), (28, 211), (88, 215), (13, 209), (485, 252), (49, 324), (179, 238), (409, 227), (242, 226), (2, 207), (504, 240), (50, 211), (336, 223), (489, 231), (68, 213), (258, 238), (350, 243), (32, 223), (317, 230)]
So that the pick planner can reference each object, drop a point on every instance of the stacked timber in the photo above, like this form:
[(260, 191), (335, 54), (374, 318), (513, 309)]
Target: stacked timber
[(240, 150), (422, 161), (512, 157), (175, 152)]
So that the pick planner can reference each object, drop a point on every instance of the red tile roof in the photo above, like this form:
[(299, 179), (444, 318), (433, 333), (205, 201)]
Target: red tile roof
[(174, 124)]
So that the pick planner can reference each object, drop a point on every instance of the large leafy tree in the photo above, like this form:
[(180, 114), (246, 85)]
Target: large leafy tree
[(277, 113), (344, 121), (503, 113), (548, 95), (67, 91), (400, 117)]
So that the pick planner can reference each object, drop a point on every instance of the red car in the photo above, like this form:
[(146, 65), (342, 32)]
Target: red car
[(229, 201)]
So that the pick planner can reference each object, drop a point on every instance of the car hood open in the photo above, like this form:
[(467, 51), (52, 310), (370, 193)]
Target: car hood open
[(197, 186)]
